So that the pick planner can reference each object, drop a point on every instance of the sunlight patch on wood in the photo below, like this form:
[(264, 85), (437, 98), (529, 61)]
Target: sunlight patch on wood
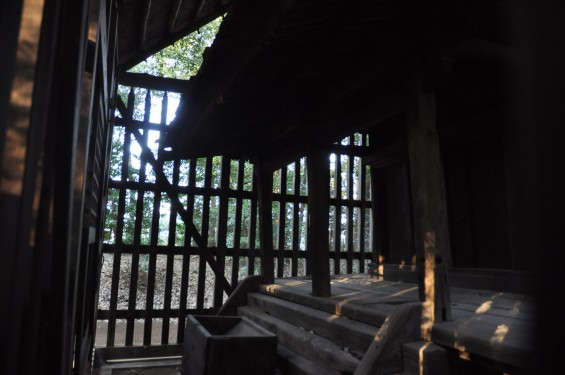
[(484, 307), (402, 292), (295, 283), (12, 170), (516, 308), (332, 318), (499, 334), (428, 314), (271, 288), (463, 353), (421, 357)]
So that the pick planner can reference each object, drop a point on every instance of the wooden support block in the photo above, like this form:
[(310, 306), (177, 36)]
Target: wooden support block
[(227, 345)]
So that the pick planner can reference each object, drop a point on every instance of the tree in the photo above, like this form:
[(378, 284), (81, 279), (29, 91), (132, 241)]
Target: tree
[(180, 60)]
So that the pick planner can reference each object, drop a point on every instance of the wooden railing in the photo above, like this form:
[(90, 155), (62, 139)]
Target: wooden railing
[(157, 269)]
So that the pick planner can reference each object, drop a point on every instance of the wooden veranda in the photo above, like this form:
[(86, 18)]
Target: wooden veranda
[(380, 180)]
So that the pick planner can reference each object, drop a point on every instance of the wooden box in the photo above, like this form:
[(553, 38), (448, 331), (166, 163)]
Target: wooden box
[(227, 345)]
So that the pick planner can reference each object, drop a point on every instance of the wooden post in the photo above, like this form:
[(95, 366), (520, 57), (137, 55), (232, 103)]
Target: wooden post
[(318, 208), (429, 206), (265, 195)]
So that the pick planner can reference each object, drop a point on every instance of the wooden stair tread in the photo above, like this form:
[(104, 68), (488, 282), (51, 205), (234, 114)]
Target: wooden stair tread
[(358, 306), (345, 332), (313, 347)]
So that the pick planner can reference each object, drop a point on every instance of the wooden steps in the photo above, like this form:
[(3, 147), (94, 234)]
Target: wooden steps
[(346, 333), (311, 346), (322, 335), (313, 339)]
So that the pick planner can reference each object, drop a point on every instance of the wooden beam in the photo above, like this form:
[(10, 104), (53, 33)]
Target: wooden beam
[(153, 82), (318, 206), (343, 124), (265, 198), (429, 205), (121, 107)]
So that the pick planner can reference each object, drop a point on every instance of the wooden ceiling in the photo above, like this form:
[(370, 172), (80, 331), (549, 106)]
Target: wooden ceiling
[(284, 77), (147, 26)]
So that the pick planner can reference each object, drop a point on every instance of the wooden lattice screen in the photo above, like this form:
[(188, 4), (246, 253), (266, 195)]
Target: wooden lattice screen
[(152, 277)]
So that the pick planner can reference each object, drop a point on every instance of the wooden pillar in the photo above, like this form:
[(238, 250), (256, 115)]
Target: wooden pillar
[(265, 198), (429, 205), (318, 211)]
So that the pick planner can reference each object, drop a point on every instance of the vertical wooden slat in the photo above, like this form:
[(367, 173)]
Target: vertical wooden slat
[(282, 224), (337, 232), (171, 237), (379, 213), (318, 203), (350, 170), (120, 225), (362, 213), (296, 219), (205, 227), (304, 163), (238, 222), (222, 229), (151, 271), (137, 230), (186, 256), (253, 225), (265, 198)]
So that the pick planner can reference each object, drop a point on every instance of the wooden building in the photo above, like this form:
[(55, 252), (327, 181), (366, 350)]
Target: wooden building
[(447, 113)]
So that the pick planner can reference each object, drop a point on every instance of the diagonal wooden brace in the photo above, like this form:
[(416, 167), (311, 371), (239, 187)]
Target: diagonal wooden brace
[(175, 201)]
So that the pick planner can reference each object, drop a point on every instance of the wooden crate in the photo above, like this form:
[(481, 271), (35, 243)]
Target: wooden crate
[(229, 345)]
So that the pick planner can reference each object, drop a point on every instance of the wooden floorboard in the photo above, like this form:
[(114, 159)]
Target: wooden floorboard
[(485, 323)]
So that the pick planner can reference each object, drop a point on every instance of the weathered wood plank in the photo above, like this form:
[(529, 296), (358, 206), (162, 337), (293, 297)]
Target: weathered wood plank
[(313, 347), (151, 271), (318, 197), (238, 222), (264, 192), (384, 355), (253, 228), (222, 230), (282, 223), (345, 332), (337, 216), (503, 340), (295, 220), (153, 82), (429, 203), (139, 208), (170, 257)]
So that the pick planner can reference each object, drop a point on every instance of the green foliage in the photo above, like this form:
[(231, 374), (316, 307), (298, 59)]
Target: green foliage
[(183, 58)]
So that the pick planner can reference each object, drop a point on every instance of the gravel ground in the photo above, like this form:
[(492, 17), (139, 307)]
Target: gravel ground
[(160, 279)]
